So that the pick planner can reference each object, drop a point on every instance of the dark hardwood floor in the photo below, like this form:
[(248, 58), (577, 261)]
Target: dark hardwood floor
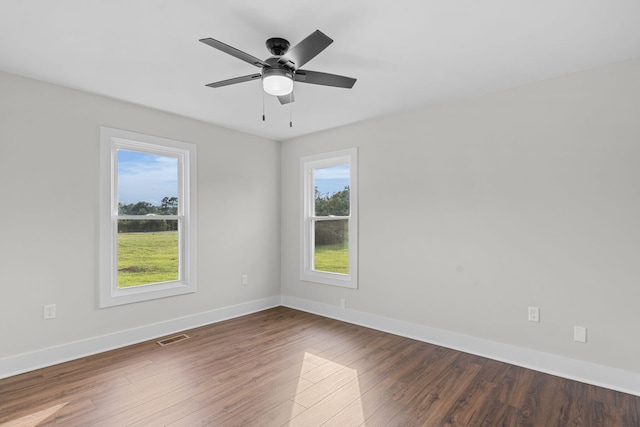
[(286, 367)]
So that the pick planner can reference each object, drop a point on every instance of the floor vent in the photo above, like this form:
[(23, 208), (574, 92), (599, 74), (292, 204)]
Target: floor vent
[(171, 340)]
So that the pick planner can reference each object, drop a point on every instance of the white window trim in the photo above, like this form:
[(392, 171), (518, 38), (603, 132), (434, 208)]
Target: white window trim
[(111, 140), (307, 197)]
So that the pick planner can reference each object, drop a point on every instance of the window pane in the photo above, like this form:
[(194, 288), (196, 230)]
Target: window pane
[(332, 191), (331, 251), (147, 252), (147, 184)]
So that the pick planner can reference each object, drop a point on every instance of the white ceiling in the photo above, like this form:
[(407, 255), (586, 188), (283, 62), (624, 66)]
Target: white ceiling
[(404, 53)]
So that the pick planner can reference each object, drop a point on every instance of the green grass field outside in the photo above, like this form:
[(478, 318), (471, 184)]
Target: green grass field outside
[(145, 258), (332, 258)]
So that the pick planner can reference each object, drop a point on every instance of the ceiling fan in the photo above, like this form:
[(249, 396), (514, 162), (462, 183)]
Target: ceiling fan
[(283, 68)]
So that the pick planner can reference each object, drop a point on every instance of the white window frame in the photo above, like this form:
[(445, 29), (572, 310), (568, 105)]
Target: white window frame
[(307, 196), (111, 140)]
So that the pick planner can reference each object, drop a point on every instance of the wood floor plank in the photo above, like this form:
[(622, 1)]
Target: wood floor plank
[(277, 416), (422, 390), (323, 388), (324, 410), (258, 405), (379, 382), (169, 414), (357, 411), (442, 399), (286, 367), (52, 394), (254, 393)]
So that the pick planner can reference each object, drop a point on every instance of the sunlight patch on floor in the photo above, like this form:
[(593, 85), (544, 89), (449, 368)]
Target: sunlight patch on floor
[(329, 391), (34, 419)]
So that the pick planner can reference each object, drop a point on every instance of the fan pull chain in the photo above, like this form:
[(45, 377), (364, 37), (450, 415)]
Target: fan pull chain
[(263, 106), (291, 103), (290, 110)]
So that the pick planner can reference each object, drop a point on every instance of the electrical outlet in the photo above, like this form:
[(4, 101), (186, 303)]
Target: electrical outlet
[(579, 334), (49, 311), (245, 279), (534, 314)]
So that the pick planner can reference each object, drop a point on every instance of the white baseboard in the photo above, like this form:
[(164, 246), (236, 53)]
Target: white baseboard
[(586, 372), (26, 362)]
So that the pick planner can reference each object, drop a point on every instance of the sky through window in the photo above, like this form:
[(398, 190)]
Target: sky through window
[(331, 180), (144, 177)]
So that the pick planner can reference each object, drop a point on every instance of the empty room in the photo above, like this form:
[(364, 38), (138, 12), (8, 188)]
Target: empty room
[(333, 213)]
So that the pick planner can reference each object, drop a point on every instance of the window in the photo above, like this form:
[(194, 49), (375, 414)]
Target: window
[(147, 217), (329, 233)]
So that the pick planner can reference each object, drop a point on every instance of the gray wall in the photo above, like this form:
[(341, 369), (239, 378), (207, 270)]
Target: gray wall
[(472, 211), (49, 139)]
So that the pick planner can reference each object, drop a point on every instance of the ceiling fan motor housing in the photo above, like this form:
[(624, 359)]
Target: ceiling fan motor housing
[(277, 46)]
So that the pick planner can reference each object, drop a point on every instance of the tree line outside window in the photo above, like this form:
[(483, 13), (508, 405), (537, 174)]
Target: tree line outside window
[(168, 206), (336, 204)]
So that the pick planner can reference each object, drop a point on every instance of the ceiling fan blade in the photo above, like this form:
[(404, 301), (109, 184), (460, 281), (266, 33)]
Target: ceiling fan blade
[(285, 99), (306, 50), (325, 79), (235, 52), (235, 80)]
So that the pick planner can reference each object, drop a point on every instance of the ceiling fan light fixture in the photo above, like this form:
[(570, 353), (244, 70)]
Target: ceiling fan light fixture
[(277, 81)]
